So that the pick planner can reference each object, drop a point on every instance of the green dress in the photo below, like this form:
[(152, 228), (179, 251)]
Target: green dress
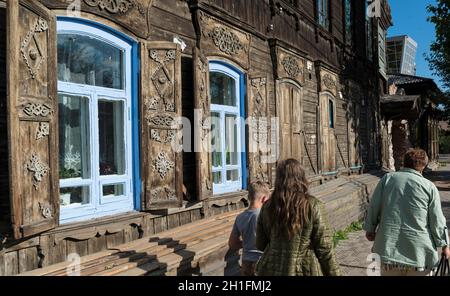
[(309, 253)]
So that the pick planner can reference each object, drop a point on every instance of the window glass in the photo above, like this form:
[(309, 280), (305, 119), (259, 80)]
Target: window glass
[(348, 21), (223, 89), (111, 137), (216, 139), (322, 13), (331, 112), (113, 190), (74, 135), (231, 138), (73, 196), (87, 60)]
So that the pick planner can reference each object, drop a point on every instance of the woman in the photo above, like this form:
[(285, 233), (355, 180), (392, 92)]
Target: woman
[(292, 229)]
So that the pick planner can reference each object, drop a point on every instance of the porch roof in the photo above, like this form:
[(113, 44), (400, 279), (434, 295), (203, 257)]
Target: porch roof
[(400, 107)]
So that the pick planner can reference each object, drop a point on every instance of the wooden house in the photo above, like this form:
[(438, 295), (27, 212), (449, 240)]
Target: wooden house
[(119, 119), (411, 119)]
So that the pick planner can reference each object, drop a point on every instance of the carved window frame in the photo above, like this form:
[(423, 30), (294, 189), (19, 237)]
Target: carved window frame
[(231, 187), (99, 205)]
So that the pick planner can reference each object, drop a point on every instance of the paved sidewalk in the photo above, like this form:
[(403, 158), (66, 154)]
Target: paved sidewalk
[(352, 254)]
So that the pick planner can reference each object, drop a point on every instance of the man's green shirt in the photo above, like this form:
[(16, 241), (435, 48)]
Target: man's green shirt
[(406, 214)]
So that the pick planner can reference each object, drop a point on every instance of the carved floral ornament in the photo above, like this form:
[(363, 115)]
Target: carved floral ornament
[(162, 164), (38, 168), (43, 130), (226, 40), (291, 66), (116, 6), (329, 82), (163, 194), (31, 50)]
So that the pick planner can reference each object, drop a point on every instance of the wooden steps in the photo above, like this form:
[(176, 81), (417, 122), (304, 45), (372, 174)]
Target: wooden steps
[(175, 252)]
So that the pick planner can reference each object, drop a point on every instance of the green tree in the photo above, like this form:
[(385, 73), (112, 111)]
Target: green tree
[(439, 57)]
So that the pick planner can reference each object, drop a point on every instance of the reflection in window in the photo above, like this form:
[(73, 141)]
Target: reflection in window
[(323, 13), (348, 21), (87, 60), (223, 89), (111, 137), (331, 112), (74, 152)]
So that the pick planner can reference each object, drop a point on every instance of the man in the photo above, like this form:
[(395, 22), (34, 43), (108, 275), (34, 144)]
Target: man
[(406, 222), (245, 228)]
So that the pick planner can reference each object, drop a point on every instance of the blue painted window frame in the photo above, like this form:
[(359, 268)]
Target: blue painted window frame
[(242, 105), (135, 121)]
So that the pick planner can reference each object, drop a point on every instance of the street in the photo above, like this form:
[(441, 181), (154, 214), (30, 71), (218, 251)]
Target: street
[(353, 254)]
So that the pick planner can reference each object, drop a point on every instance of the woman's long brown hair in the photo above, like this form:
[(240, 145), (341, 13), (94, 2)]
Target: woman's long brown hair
[(289, 204)]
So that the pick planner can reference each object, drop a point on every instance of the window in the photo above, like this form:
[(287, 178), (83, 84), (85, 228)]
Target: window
[(227, 128), (369, 35), (331, 112), (348, 21), (95, 129), (323, 17)]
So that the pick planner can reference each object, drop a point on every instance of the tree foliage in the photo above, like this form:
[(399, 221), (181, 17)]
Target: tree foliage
[(439, 57)]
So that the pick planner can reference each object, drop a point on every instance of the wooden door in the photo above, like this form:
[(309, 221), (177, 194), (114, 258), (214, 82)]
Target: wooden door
[(291, 123), (162, 160), (328, 138), (32, 117)]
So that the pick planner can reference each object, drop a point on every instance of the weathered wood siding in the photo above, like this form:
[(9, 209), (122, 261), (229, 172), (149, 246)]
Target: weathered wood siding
[(4, 175)]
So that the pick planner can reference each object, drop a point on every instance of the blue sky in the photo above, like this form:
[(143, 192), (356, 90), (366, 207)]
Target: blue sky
[(410, 18)]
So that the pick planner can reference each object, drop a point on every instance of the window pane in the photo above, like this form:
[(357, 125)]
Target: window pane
[(231, 138), (74, 146), (233, 176), (223, 89), (74, 196), (114, 190), (217, 178), (87, 60), (216, 139), (331, 112), (111, 137)]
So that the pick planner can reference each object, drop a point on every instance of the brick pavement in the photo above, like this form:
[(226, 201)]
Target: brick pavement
[(352, 253)]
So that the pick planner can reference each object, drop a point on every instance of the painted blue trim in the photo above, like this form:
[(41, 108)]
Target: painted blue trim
[(135, 71), (243, 130), (243, 95)]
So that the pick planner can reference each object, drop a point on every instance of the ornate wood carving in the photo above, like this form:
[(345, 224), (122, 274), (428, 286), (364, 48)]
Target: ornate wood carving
[(220, 39), (259, 129), (116, 6), (161, 133), (202, 126), (38, 168), (33, 118), (329, 82), (31, 49), (43, 130), (36, 109), (131, 14), (289, 65), (162, 165)]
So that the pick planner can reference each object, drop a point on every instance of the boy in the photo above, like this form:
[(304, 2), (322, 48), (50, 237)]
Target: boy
[(245, 228)]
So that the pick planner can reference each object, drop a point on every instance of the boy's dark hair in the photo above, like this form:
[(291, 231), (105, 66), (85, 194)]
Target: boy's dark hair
[(257, 187), (416, 159)]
